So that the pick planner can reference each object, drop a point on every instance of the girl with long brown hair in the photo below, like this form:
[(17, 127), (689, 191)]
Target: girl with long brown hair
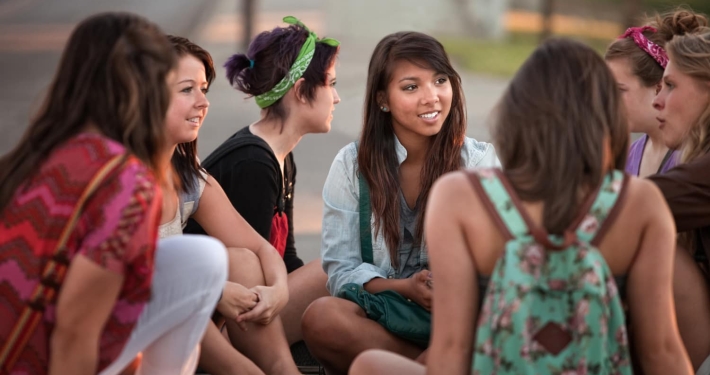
[(414, 131), (256, 290), (80, 196)]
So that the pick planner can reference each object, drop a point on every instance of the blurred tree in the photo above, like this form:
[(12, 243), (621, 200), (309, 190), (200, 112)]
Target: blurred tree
[(547, 10), (702, 6), (467, 18), (248, 10), (632, 12)]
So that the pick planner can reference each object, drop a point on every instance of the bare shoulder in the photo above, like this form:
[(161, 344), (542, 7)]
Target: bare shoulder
[(646, 201), (213, 197), (210, 180), (454, 192), (452, 185), (644, 193)]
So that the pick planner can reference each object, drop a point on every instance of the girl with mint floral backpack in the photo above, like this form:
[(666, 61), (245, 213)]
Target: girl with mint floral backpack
[(552, 304), (509, 298)]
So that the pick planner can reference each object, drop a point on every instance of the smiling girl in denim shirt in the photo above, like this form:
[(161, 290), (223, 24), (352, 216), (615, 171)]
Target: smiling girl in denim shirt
[(414, 131)]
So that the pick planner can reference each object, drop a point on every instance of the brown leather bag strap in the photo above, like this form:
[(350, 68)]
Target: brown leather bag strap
[(485, 199), (613, 214), (52, 276)]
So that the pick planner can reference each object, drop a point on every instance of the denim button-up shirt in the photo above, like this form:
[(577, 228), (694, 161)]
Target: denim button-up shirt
[(340, 246)]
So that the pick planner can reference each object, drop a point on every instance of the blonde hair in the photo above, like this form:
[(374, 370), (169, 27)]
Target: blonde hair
[(690, 54)]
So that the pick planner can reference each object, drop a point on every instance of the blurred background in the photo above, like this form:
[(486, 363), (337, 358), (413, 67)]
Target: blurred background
[(487, 40)]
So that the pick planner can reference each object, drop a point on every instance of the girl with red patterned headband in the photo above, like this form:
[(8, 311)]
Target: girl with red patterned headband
[(637, 60)]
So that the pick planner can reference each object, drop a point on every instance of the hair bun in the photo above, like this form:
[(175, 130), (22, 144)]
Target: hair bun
[(235, 66), (680, 22)]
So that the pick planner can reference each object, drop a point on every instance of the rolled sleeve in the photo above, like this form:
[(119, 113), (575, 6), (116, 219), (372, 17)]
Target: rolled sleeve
[(478, 154), (490, 158), (340, 246)]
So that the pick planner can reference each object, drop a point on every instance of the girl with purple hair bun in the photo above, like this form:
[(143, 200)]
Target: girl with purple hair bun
[(291, 74)]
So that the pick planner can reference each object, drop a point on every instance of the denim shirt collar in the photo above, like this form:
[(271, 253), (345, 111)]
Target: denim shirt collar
[(401, 151)]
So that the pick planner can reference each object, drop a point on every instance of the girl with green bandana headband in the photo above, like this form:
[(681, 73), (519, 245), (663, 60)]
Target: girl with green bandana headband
[(291, 74)]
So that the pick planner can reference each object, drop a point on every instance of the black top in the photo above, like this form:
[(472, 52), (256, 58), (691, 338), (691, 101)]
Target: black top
[(248, 171)]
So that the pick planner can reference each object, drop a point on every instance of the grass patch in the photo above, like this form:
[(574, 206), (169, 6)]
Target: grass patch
[(501, 58)]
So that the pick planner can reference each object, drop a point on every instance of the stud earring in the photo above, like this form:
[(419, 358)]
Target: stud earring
[(384, 109)]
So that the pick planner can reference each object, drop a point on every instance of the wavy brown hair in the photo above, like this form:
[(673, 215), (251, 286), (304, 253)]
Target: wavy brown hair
[(377, 158), (112, 75), (184, 160), (552, 125), (691, 55), (676, 22)]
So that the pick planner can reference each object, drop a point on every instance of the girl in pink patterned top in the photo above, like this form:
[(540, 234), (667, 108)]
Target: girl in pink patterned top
[(120, 295)]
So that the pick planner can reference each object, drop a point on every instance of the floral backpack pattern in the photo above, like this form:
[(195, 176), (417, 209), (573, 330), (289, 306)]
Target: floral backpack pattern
[(552, 305)]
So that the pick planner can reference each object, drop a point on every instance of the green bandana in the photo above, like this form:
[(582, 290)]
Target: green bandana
[(297, 69)]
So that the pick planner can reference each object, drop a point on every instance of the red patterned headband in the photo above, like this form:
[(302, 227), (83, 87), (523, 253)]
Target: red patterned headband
[(653, 49)]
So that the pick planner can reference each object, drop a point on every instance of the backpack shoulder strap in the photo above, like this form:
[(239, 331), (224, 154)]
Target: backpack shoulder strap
[(607, 204), (501, 204)]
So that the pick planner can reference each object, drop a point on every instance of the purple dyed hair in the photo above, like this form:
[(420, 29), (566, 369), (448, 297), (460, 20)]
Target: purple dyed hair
[(273, 53)]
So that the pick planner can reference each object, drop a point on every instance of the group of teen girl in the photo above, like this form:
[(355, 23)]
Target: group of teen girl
[(106, 188)]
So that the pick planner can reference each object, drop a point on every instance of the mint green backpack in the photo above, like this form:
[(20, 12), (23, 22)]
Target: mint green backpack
[(552, 305)]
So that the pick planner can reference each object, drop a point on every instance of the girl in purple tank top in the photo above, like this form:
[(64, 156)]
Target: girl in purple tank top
[(636, 154), (637, 59)]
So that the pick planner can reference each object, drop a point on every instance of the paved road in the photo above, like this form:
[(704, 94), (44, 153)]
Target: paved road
[(33, 32)]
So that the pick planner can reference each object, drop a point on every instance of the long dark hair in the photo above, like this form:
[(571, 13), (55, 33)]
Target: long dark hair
[(112, 75), (552, 124), (184, 160), (377, 159)]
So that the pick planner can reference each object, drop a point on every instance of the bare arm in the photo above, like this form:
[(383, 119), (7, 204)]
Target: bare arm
[(414, 288), (88, 295), (455, 288), (219, 219), (650, 294), (379, 284)]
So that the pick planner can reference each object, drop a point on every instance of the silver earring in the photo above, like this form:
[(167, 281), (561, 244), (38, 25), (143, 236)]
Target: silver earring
[(384, 109)]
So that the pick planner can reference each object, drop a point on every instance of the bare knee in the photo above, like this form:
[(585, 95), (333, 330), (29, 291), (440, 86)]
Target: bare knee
[(365, 363), (314, 317), (245, 267), (324, 321)]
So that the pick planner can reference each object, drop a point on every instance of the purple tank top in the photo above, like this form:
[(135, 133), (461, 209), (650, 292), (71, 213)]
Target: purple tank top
[(633, 161)]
